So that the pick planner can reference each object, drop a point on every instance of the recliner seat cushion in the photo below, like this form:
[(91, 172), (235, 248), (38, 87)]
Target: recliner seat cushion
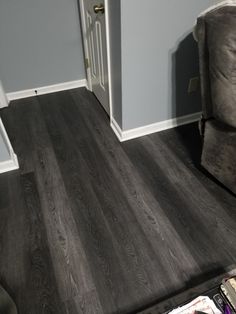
[(221, 44)]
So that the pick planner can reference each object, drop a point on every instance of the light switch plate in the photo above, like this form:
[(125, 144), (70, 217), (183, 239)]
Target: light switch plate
[(193, 84)]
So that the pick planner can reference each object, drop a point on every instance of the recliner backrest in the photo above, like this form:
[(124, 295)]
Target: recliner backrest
[(216, 33)]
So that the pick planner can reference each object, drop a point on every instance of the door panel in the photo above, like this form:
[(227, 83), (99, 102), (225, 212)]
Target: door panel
[(91, 46), (97, 50)]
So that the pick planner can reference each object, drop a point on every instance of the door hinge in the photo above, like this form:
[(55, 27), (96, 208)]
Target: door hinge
[(86, 63)]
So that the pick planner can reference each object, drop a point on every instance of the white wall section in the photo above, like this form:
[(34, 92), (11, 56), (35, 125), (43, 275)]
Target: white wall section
[(40, 43), (159, 56)]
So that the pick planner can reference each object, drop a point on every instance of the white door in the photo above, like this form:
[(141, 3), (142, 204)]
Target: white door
[(96, 52)]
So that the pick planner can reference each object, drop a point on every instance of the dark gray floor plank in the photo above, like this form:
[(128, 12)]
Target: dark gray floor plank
[(13, 241), (68, 256), (88, 304), (26, 270), (41, 282), (97, 238), (98, 226), (151, 218), (186, 209)]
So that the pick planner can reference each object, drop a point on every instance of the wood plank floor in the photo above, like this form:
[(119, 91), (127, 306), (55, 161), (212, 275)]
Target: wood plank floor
[(91, 225)]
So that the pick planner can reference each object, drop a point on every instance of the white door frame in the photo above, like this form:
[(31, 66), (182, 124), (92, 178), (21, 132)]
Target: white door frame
[(86, 53)]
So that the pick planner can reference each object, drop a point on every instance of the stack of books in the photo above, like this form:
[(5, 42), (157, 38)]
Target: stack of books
[(224, 301), (228, 291), (200, 305)]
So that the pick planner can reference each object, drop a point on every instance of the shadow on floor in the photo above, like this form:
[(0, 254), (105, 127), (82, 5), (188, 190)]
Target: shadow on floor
[(184, 66)]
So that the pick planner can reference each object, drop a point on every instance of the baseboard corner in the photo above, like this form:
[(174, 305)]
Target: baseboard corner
[(125, 135), (116, 129), (9, 165)]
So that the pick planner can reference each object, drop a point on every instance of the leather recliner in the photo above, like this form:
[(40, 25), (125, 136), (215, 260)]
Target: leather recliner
[(216, 34)]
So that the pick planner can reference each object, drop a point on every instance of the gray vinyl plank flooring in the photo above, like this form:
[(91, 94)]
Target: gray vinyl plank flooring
[(91, 225)]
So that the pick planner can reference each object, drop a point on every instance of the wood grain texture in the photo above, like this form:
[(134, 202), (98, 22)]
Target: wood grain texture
[(91, 225)]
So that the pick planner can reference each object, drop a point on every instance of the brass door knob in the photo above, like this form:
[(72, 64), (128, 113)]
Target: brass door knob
[(99, 9)]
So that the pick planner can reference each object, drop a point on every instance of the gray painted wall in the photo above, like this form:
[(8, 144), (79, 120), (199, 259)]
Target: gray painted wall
[(159, 56), (4, 154), (40, 43), (152, 47)]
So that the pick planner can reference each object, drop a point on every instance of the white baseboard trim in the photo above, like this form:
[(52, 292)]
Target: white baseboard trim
[(116, 129), (12, 162), (9, 165), (46, 89), (152, 128)]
